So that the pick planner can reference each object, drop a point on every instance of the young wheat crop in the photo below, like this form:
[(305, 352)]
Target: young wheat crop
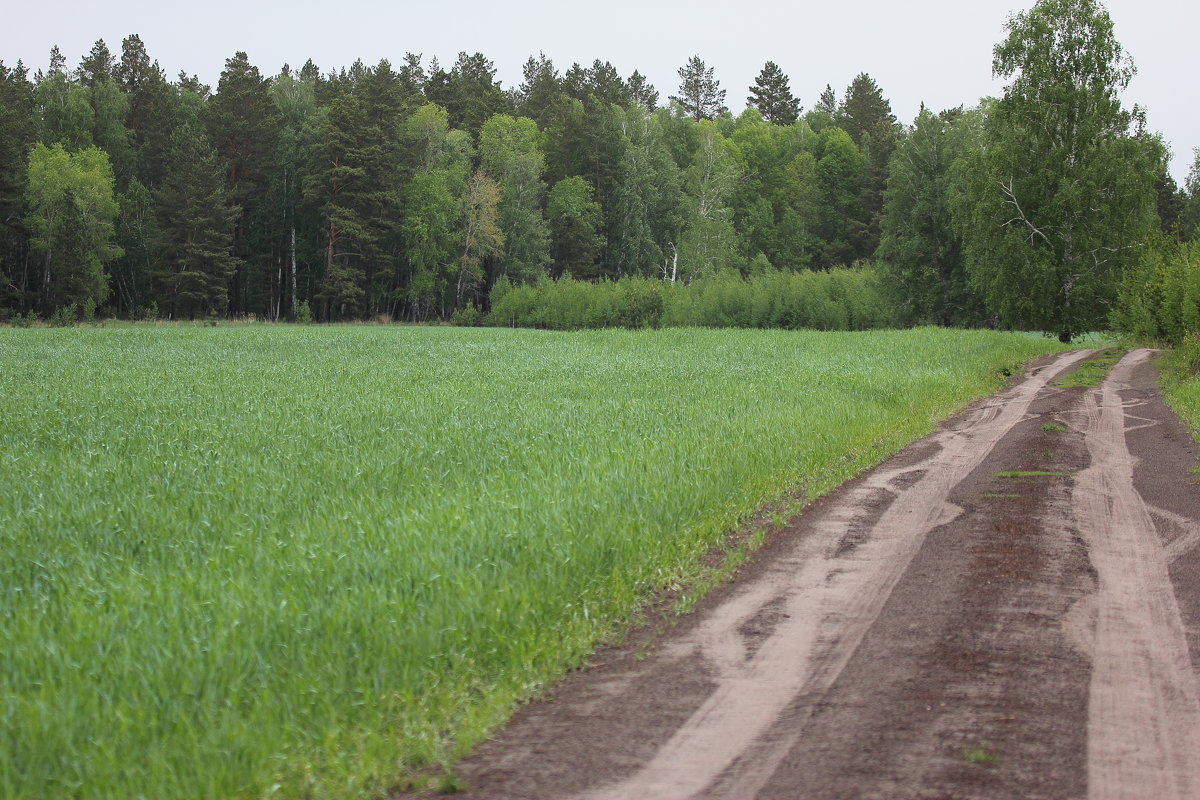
[(244, 561)]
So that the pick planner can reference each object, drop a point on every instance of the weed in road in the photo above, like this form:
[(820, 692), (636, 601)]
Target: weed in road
[(981, 754), (1092, 371)]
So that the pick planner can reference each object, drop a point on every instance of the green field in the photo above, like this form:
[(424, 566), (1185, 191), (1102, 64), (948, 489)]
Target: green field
[(307, 562)]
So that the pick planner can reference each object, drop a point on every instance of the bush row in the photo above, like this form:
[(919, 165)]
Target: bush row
[(838, 299)]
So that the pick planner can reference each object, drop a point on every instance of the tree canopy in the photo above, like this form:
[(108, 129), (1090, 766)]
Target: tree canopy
[(1062, 194)]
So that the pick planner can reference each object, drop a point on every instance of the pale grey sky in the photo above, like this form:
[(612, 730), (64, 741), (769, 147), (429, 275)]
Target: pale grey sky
[(935, 51)]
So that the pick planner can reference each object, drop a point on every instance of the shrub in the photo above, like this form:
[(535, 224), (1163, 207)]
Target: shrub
[(467, 317), (837, 299), (64, 317), (304, 313)]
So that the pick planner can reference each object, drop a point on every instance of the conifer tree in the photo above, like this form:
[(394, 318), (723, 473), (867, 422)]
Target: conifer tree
[(97, 66), (700, 95), (195, 229), (867, 116), (772, 96), (243, 125), (641, 92), (536, 94), (150, 116), (827, 103), (17, 134)]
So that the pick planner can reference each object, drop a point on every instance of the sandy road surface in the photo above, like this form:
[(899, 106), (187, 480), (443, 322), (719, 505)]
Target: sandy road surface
[(1008, 608)]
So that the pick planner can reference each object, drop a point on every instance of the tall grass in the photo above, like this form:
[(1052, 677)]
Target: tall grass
[(1181, 381), (300, 562)]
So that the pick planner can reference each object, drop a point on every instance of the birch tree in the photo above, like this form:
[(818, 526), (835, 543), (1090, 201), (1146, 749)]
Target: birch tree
[(1062, 193)]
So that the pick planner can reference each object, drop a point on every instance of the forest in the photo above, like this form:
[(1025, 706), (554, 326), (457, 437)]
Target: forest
[(417, 192)]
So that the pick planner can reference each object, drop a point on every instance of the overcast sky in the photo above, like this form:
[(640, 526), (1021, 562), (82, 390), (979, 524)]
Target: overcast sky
[(932, 51)]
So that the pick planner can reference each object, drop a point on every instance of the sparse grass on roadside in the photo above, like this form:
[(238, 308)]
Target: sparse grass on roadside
[(1092, 371)]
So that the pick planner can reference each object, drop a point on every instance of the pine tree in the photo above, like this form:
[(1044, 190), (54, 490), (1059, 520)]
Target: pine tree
[(335, 187), (867, 116), (827, 103), (772, 96), (18, 130), (538, 91), (150, 116), (243, 125), (469, 92), (642, 93), (195, 229), (97, 66), (700, 95)]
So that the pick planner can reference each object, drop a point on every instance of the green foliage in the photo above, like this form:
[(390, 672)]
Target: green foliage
[(70, 214), (839, 299), (700, 95), (867, 116), (1064, 189), (195, 230), (1189, 213), (575, 220), (708, 242), (469, 316), (644, 210), (64, 317), (343, 553), (841, 174), (359, 191), (1159, 298), (511, 154), (18, 131), (772, 96), (1181, 381), (304, 313), (469, 92), (921, 248), (1092, 371), (243, 124)]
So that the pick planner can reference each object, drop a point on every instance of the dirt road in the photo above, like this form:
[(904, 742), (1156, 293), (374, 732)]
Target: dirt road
[(1008, 608)]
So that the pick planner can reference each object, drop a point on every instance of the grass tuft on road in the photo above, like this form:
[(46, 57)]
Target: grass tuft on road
[(1091, 372)]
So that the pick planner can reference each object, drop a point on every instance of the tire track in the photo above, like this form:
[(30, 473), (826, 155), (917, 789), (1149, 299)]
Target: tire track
[(1144, 706), (831, 590)]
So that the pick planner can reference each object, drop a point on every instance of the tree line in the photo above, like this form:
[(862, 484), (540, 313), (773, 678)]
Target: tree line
[(413, 191)]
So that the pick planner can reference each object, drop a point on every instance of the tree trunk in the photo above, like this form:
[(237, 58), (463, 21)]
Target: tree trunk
[(293, 259)]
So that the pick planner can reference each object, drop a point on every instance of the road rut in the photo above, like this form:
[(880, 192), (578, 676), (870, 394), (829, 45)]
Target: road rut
[(991, 613)]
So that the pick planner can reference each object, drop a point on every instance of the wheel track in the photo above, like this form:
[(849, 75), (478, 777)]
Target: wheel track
[(831, 601), (1144, 708)]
